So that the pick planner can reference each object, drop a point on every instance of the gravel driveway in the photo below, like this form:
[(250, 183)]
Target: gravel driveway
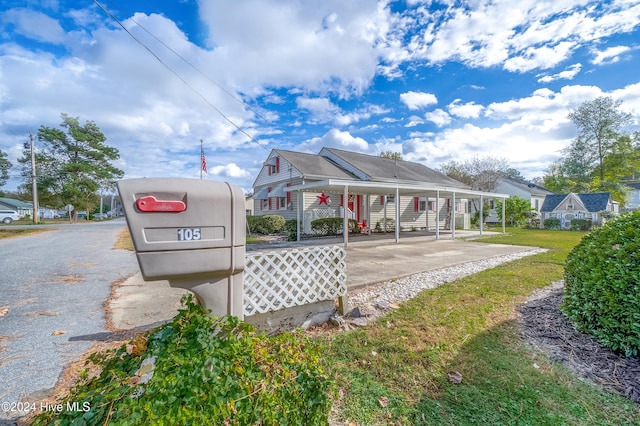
[(52, 289)]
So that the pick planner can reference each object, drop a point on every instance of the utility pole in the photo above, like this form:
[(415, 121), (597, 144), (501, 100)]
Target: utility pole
[(34, 183)]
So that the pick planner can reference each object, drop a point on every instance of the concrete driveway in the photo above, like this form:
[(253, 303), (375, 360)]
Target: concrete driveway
[(140, 304)]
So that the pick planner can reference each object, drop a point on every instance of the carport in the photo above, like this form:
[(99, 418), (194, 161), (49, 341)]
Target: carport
[(368, 188)]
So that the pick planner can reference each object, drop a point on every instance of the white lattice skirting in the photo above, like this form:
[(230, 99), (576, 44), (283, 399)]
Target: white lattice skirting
[(283, 279)]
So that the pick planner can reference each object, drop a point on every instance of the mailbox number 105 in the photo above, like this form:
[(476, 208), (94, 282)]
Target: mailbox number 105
[(189, 234)]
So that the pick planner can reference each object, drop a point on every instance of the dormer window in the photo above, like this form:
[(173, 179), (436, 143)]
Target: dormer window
[(273, 165)]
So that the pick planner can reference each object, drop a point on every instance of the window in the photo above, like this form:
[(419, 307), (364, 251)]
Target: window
[(264, 204), (432, 206), (391, 199), (282, 203)]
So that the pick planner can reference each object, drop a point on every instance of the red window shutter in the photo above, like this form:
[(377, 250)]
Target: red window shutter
[(269, 169), (288, 195), (382, 200), (277, 164), (416, 204), (268, 191), (341, 200)]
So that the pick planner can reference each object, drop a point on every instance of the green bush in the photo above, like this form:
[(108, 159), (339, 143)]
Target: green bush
[(204, 370), (581, 224), (602, 284), (333, 226), (391, 225), (266, 225), (291, 226), (552, 223)]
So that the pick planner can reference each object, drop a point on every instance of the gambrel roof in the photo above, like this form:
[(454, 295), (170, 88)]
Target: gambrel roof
[(593, 203)]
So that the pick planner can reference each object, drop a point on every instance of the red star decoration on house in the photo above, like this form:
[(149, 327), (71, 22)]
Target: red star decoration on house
[(323, 199)]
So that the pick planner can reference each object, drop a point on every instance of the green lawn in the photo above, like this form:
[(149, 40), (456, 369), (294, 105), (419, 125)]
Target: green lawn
[(395, 371)]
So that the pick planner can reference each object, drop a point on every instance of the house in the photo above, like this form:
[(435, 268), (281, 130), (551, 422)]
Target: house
[(530, 191), (248, 205), (22, 207), (567, 207), (378, 191)]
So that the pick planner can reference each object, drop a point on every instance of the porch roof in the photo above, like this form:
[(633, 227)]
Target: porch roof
[(388, 188)]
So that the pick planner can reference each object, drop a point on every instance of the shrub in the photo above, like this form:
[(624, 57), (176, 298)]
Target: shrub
[(266, 225), (203, 370), (291, 226), (581, 225), (333, 225), (391, 225), (552, 223), (602, 284)]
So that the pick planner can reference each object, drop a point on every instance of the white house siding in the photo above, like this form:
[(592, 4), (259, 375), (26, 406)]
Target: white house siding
[(412, 219)]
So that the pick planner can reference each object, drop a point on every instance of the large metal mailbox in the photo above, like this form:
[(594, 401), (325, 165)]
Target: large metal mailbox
[(192, 233)]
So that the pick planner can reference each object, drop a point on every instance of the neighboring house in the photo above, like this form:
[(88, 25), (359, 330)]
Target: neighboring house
[(319, 183), (535, 194), (567, 207), (248, 205), (23, 208)]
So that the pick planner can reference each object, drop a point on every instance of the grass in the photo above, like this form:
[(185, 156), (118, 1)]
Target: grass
[(395, 371), (14, 232)]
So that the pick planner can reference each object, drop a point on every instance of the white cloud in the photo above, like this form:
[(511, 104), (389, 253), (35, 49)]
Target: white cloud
[(333, 45), (335, 138), (534, 35), (530, 131), (468, 110), (416, 100), (567, 74), (609, 55), (34, 25), (229, 171), (540, 57), (439, 117)]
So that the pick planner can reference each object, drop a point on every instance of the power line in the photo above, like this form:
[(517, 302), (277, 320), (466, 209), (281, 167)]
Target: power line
[(178, 76), (186, 61)]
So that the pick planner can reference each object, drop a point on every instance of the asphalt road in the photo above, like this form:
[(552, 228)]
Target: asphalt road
[(52, 289)]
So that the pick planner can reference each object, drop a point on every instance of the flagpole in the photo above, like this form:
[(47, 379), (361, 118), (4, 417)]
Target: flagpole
[(201, 155)]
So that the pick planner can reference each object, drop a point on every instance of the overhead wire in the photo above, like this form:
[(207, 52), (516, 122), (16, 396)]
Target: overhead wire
[(179, 77)]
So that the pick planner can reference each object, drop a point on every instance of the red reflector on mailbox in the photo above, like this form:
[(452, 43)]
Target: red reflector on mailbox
[(150, 204)]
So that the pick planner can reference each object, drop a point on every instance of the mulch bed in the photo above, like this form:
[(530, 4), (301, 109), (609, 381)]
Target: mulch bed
[(546, 328)]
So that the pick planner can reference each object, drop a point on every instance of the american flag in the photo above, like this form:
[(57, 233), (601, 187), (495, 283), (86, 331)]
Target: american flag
[(204, 161)]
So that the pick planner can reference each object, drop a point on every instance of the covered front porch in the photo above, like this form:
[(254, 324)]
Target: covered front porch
[(360, 192)]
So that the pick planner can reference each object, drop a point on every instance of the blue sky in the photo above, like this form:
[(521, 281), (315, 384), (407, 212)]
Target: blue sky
[(434, 80)]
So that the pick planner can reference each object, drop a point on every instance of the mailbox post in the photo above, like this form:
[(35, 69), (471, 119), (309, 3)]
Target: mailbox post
[(192, 233)]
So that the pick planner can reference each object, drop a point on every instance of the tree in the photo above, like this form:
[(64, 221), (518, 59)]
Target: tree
[(516, 209), (600, 158), (599, 123), (72, 164), (391, 155), (481, 173), (5, 165)]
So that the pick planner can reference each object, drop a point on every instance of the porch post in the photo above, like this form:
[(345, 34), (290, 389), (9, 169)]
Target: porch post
[(298, 213), (453, 216), (504, 212), (481, 213), (397, 214), (345, 220), (437, 215), (368, 198), (426, 211), (384, 228)]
